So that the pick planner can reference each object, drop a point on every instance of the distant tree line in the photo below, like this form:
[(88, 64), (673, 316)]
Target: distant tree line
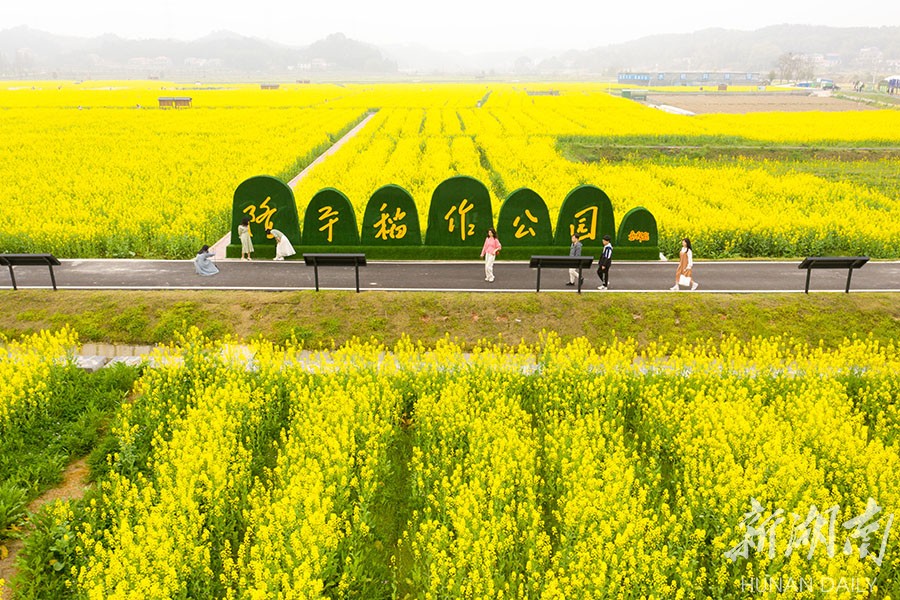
[(794, 67)]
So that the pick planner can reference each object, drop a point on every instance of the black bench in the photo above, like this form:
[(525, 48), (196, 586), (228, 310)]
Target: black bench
[(29, 260), (335, 260), (560, 262), (832, 262)]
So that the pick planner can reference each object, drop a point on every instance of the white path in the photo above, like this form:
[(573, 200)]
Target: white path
[(219, 247)]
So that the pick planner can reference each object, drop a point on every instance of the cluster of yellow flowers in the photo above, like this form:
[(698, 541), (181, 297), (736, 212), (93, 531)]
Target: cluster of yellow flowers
[(737, 208), (25, 372), (555, 471), (160, 182), (123, 181), (476, 526)]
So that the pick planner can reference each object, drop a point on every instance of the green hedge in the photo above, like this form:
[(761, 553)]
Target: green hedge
[(440, 252)]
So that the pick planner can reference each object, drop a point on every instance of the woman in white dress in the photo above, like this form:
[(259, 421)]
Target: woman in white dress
[(203, 262), (283, 247)]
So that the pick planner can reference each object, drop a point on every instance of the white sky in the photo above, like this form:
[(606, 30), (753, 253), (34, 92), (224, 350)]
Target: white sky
[(465, 25)]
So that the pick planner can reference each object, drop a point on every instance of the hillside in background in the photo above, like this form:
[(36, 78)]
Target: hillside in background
[(28, 53), (832, 50), (857, 53)]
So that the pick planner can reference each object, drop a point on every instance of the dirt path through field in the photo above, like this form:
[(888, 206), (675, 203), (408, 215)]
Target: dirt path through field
[(73, 486)]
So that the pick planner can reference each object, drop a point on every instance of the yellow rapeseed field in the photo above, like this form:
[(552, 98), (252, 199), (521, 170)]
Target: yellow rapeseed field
[(104, 172), (560, 470), (24, 373), (96, 169)]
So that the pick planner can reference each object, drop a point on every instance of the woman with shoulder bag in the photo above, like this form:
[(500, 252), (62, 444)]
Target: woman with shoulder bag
[(684, 273)]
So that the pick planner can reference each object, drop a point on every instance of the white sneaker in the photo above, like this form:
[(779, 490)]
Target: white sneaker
[(695, 286), (278, 258), (674, 288), (602, 287)]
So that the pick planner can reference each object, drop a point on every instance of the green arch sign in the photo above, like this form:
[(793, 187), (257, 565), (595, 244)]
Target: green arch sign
[(588, 212), (524, 220), (638, 229), (269, 204), (460, 213), (330, 220), (391, 219)]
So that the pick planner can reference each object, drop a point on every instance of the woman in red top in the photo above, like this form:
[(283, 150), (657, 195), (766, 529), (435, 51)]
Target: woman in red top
[(489, 252)]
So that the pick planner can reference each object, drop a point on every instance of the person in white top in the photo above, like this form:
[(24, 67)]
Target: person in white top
[(283, 247), (684, 273)]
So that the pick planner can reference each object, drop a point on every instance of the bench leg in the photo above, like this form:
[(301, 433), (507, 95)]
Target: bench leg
[(12, 277), (849, 274), (357, 277), (808, 272), (53, 278), (316, 272), (580, 279), (538, 279)]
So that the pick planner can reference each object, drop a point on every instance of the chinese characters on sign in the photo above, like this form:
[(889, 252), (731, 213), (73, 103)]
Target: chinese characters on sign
[(525, 228), (391, 226), (815, 529), (329, 216), (265, 215), (330, 220), (585, 224), (638, 236), (461, 210)]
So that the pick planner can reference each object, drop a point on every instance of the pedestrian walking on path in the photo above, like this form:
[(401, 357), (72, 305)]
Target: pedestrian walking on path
[(283, 247), (605, 263), (246, 242), (489, 252), (203, 262), (574, 250), (684, 275)]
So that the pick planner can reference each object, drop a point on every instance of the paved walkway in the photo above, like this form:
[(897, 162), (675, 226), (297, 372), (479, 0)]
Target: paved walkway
[(511, 276)]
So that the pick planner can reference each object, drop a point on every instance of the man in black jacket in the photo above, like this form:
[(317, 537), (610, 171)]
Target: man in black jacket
[(604, 263)]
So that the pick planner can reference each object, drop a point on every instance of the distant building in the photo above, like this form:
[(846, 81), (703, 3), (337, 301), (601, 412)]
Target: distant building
[(194, 62), (316, 64), (690, 78), (146, 62), (174, 102)]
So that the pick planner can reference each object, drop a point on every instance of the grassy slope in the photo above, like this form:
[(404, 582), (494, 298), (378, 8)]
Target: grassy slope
[(320, 319)]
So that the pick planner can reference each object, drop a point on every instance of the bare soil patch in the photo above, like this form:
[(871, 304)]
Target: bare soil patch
[(734, 103), (73, 486)]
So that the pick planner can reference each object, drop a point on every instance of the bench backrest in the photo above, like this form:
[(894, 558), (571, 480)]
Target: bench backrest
[(833, 262), (561, 262), (335, 260), (25, 260)]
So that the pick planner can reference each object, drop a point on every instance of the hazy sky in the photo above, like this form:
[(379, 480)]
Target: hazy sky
[(473, 25)]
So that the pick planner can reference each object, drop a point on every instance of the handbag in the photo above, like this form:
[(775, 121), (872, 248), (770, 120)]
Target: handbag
[(684, 280)]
